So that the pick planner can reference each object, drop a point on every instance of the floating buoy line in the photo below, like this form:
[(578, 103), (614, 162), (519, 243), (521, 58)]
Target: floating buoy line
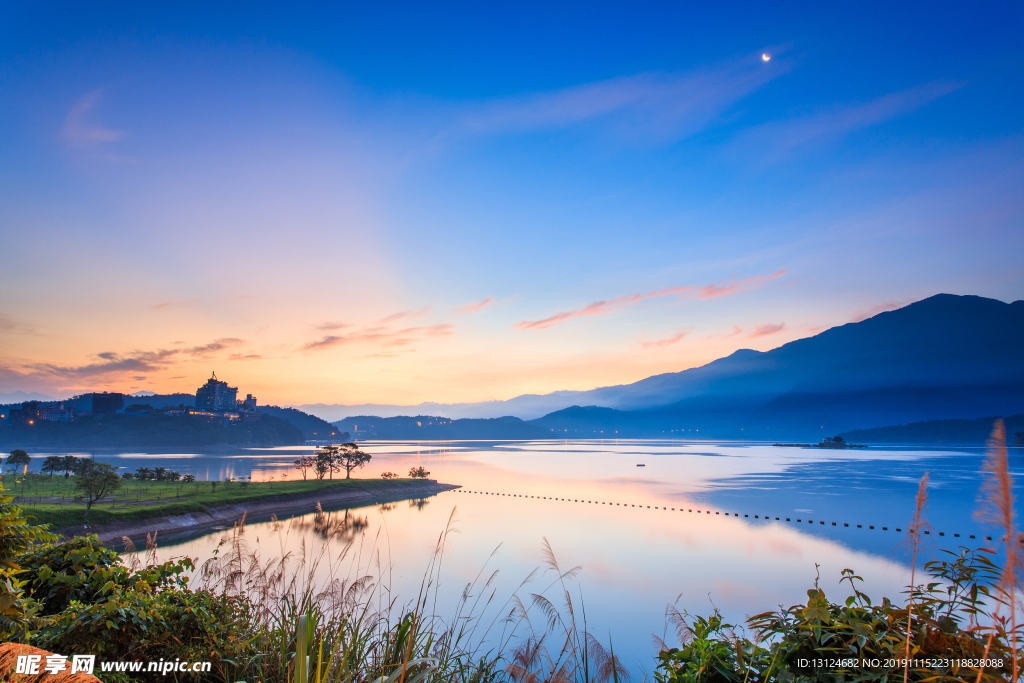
[(699, 512)]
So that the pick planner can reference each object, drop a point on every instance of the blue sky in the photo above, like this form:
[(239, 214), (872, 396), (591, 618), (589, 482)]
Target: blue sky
[(398, 203)]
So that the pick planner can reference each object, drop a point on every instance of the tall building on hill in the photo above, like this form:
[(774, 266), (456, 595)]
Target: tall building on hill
[(216, 395)]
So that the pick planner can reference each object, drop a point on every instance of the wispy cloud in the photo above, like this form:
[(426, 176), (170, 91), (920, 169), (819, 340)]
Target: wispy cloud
[(767, 329), (662, 343), (778, 138), (597, 308), (213, 347), (731, 286), (381, 336), (176, 304), (405, 314), (476, 306), (663, 105), (332, 326), (78, 130), (721, 288), (247, 356)]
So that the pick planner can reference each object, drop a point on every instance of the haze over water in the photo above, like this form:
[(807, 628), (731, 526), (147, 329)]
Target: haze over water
[(675, 546)]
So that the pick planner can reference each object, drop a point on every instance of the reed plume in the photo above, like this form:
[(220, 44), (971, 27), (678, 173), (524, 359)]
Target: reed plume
[(997, 508), (913, 538)]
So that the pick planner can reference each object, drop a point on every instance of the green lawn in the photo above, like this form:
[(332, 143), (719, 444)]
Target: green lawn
[(56, 501)]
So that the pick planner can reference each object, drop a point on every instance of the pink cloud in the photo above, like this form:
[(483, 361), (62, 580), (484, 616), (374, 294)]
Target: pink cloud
[(767, 329), (382, 336), (661, 343), (597, 308), (475, 306), (727, 287), (723, 288), (404, 314)]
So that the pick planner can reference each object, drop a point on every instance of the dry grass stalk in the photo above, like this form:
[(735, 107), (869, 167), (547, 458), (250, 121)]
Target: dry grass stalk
[(917, 526), (997, 508)]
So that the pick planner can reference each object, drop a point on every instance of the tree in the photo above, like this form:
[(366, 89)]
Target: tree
[(188, 478), (160, 473), (305, 463), (143, 474), (19, 457), (53, 463), (97, 480), (418, 473), (70, 465), (127, 475), (389, 475), (348, 457)]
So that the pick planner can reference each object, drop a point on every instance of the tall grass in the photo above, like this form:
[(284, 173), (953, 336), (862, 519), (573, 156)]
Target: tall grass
[(917, 526), (997, 508), (356, 629)]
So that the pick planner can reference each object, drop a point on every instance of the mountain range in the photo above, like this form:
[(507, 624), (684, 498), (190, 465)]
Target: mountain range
[(944, 357)]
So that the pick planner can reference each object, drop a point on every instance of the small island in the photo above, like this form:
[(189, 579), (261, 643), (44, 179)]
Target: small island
[(834, 443)]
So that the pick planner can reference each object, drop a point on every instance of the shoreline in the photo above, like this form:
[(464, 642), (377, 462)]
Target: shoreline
[(221, 515)]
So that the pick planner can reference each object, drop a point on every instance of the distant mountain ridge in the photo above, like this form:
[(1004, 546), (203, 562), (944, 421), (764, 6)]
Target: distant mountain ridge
[(945, 357)]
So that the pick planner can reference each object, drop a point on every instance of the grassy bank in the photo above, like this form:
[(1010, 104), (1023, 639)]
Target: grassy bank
[(56, 501)]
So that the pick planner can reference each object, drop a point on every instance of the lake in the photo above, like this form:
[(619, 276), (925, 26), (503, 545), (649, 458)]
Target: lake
[(738, 526)]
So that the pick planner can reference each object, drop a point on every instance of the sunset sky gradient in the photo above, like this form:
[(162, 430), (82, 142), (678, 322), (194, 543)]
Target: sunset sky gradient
[(461, 202)]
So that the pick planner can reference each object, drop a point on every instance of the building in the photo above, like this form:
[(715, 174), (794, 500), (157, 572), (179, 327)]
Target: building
[(57, 413), (29, 413), (101, 404), (250, 402), (216, 395)]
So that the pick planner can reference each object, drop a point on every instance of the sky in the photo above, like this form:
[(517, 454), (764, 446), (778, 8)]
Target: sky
[(396, 202)]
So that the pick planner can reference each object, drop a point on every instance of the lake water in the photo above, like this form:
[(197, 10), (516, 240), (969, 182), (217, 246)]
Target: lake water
[(700, 525)]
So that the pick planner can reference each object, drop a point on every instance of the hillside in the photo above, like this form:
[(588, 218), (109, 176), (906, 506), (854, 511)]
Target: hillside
[(430, 428), (312, 427), (150, 431), (973, 432)]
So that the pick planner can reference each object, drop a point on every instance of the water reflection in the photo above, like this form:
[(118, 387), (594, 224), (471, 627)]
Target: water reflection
[(640, 540)]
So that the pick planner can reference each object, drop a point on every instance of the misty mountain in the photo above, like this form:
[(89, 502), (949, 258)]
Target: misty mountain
[(946, 357), (19, 397)]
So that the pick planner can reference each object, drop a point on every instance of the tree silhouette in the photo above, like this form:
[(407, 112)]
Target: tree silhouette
[(348, 457), (53, 463), (305, 463), (19, 457), (70, 465)]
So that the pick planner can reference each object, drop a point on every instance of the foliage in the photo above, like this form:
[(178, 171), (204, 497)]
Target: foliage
[(18, 457), (349, 457), (96, 480), (99, 605), (17, 612), (304, 464), (53, 463), (870, 638), (388, 475), (418, 473)]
